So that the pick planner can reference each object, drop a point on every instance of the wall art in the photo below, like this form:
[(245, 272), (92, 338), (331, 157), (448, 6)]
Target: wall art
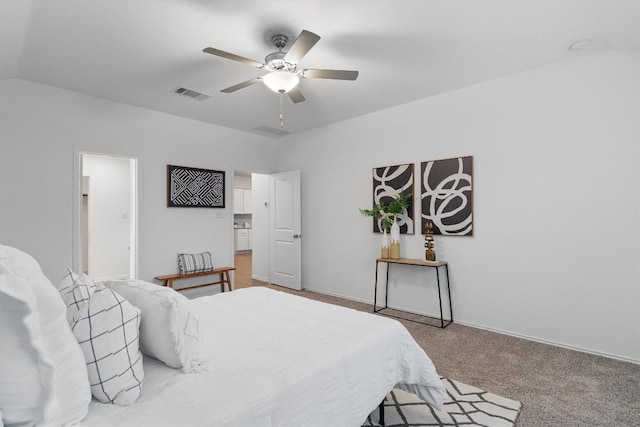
[(194, 188), (446, 196), (389, 181)]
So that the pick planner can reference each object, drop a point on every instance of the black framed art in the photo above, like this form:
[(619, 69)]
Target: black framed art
[(388, 182), (194, 188), (447, 196)]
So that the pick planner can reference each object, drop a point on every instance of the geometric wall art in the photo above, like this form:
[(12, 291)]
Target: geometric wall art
[(388, 182), (194, 188), (447, 196)]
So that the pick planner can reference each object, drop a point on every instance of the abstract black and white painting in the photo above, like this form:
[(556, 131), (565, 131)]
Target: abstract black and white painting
[(446, 196), (388, 182), (194, 188)]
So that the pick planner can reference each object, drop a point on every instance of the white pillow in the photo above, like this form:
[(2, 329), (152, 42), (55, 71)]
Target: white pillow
[(106, 326), (19, 263), (169, 328), (43, 378)]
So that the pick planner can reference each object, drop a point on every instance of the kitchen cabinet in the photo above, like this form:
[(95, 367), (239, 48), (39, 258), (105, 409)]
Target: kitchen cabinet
[(241, 201), (243, 239)]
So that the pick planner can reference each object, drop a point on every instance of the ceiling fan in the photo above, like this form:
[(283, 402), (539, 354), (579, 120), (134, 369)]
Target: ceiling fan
[(284, 76)]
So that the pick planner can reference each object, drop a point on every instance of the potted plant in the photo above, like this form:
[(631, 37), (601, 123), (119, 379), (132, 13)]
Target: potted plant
[(387, 216)]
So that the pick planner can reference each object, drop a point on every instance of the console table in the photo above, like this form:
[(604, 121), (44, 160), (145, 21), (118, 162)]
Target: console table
[(419, 263)]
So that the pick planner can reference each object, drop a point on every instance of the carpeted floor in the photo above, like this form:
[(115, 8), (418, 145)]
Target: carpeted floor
[(557, 387)]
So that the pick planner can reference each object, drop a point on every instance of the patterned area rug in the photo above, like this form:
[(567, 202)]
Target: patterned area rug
[(465, 406)]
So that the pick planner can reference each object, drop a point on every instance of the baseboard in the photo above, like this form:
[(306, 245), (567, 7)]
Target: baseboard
[(553, 343), (335, 295), (503, 332), (260, 278)]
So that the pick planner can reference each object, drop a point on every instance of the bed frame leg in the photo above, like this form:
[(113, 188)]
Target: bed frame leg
[(382, 412)]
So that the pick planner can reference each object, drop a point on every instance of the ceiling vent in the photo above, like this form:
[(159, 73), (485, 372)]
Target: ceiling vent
[(194, 94), (271, 132)]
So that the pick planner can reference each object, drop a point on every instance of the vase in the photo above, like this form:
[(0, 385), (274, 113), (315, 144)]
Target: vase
[(384, 247), (394, 247)]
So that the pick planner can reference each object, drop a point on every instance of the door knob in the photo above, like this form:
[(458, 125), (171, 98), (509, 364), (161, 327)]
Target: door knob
[(297, 236)]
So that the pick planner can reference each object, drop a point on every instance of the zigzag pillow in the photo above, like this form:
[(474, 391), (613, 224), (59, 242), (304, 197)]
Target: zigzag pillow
[(194, 263), (106, 326)]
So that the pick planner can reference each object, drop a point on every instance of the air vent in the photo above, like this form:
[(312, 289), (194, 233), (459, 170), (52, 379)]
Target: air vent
[(200, 96), (269, 131)]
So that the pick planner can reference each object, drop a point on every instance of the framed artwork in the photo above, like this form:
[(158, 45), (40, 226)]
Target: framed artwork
[(194, 188), (389, 181), (447, 196)]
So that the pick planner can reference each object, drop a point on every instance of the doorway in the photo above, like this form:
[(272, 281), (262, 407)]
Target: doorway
[(242, 228), (107, 223), (268, 262)]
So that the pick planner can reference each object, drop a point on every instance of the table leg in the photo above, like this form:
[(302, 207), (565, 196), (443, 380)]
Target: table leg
[(228, 275), (375, 288), (446, 267), (440, 298), (386, 287)]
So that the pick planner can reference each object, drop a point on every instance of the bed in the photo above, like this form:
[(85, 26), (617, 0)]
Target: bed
[(266, 358)]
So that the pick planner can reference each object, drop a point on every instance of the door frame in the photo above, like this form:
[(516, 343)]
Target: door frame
[(264, 274), (76, 217)]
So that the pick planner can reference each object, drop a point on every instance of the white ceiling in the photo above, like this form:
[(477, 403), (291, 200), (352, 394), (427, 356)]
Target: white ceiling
[(138, 51)]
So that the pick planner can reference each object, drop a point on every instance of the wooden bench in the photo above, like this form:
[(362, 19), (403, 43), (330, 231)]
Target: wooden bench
[(223, 272)]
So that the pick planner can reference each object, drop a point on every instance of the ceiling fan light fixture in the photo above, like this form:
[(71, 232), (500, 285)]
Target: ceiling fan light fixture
[(281, 81)]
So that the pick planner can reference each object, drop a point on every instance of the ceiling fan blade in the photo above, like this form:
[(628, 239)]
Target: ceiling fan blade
[(233, 57), (330, 74), (241, 85), (303, 44), (296, 95)]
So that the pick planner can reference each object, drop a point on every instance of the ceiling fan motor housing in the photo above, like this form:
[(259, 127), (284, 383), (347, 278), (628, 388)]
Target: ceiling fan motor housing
[(275, 62)]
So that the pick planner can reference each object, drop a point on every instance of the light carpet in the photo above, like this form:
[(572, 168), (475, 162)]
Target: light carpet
[(464, 406)]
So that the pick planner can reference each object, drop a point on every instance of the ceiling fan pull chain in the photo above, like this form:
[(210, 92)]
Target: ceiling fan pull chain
[(281, 113)]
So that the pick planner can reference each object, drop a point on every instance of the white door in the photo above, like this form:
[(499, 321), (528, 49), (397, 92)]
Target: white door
[(284, 218)]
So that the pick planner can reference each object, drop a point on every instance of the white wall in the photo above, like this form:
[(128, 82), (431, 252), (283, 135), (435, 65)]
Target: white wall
[(260, 223), (241, 181), (555, 253), (39, 126), (109, 215)]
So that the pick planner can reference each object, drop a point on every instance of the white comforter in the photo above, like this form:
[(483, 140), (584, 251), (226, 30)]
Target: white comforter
[(275, 359)]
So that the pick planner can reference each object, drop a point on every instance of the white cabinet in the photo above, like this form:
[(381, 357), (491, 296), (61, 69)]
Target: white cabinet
[(242, 240), (246, 201), (241, 201)]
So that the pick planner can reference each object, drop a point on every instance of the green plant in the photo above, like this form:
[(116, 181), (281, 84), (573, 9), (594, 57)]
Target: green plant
[(387, 214)]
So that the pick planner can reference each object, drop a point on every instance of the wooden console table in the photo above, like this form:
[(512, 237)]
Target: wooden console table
[(418, 263), (223, 272)]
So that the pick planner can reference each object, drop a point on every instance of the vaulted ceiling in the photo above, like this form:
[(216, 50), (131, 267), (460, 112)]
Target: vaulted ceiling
[(139, 51)]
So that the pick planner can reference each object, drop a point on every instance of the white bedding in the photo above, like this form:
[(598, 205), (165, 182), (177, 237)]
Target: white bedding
[(275, 359)]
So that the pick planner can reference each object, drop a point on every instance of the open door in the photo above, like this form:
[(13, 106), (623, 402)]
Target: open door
[(285, 231)]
